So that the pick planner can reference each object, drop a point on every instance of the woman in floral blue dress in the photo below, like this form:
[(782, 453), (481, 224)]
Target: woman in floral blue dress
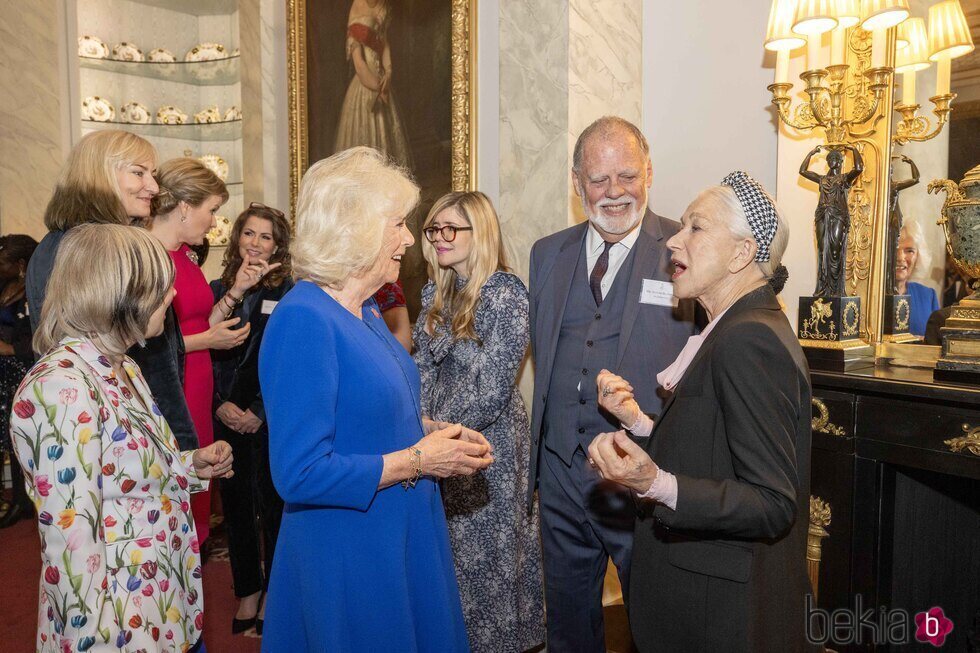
[(470, 339)]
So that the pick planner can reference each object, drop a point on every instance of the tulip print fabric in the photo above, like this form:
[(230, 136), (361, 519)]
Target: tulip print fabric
[(121, 565)]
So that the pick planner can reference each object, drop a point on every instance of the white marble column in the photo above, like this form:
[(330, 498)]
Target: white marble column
[(33, 139), (562, 65)]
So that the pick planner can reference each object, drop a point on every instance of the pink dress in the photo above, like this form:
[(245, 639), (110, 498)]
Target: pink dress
[(193, 304)]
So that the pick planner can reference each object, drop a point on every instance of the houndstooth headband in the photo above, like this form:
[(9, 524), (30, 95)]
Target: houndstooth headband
[(759, 207)]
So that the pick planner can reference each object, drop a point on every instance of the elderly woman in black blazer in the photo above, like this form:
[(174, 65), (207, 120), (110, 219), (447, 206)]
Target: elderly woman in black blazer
[(722, 475)]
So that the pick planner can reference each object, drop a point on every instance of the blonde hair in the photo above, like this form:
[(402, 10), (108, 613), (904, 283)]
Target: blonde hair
[(111, 300), (486, 257), (185, 180), (724, 198), (923, 259), (343, 206), (87, 189)]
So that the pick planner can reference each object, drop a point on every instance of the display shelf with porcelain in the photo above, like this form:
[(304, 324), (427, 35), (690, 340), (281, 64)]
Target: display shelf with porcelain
[(214, 72), (227, 130)]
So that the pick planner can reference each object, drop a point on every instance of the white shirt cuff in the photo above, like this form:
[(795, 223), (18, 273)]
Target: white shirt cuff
[(663, 489), (641, 428)]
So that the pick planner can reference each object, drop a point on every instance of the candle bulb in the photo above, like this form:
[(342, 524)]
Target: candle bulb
[(837, 38), (879, 48), (943, 66), (782, 66), (908, 87), (812, 51)]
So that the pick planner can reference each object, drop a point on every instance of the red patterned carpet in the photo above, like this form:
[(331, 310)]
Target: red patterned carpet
[(20, 568)]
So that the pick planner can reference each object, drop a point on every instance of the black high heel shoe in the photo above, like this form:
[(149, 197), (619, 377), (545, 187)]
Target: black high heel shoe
[(14, 514), (241, 625)]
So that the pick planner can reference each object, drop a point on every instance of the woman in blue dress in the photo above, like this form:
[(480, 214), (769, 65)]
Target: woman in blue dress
[(470, 339), (363, 561), (911, 258)]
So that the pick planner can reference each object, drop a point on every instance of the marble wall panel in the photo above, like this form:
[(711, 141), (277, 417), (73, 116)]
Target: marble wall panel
[(32, 139)]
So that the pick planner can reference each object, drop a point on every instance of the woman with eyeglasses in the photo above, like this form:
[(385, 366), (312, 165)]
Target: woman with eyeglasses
[(470, 339), (252, 507)]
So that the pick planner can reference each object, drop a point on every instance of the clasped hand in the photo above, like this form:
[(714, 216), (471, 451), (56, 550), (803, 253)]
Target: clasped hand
[(213, 461), (242, 421), (620, 460), (454, 450)]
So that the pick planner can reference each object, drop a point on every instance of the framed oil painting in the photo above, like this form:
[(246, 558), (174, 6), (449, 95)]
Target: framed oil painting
[(397, 75)]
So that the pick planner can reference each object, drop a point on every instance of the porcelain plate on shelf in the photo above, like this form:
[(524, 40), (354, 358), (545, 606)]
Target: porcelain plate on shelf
[(97, 109), (126, 52), (215, 164), (221, 233), (160, 55), (208, 116), (206, 52), (171, 115), (93, 47), (233, 113), (134, 112)]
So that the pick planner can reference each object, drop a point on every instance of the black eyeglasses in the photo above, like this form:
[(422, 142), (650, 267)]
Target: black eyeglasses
[(448, 232), (263, 207)]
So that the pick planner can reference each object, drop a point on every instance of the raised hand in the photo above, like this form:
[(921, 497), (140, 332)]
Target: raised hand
[(616, 396), (619, 459)]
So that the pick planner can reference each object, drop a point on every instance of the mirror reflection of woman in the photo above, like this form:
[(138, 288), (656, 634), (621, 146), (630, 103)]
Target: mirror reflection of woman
[(369, 115), (911, 259), (470, 339)]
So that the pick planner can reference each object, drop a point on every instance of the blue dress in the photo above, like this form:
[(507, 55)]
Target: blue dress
[(356, 569), (923, 303)]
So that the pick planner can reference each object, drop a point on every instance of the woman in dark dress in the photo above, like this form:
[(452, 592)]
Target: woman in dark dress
[(16, 357), (252, 507), (470, 339)]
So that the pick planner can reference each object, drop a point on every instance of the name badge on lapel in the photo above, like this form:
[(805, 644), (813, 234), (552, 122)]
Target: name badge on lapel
[(658, 293), (267, 306)]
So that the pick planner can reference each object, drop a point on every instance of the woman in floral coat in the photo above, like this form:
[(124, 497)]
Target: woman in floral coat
[(121, 564)]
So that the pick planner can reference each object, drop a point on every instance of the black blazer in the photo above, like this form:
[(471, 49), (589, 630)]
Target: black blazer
[(650, 336), (236, 371), (726, 570)]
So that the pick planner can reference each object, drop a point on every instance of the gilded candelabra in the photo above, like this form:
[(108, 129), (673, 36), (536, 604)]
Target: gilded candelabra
[(916, 128), (828, 102)]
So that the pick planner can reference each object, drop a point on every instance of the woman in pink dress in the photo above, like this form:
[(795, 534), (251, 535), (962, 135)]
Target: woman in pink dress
[(183, 213)]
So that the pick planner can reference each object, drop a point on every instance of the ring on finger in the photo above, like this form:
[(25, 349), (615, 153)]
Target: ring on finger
[(606, 391)]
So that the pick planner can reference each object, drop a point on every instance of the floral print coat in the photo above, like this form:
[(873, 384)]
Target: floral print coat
[(121, 566)]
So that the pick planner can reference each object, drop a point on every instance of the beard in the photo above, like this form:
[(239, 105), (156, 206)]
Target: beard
[(615, 224)]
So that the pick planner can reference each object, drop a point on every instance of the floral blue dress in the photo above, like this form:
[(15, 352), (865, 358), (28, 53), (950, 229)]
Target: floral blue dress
[(497, 550)]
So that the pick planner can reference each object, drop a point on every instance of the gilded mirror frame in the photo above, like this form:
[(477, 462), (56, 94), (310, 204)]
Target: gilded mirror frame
[(463, 91)]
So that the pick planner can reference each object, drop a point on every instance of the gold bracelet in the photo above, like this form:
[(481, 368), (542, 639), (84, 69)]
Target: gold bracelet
[(417, 475)]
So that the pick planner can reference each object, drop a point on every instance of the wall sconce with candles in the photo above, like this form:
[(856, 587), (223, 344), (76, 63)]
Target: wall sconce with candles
[(948, 38), (840, 108)]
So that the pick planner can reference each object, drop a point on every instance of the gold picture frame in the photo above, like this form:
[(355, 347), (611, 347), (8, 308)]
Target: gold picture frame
[(463, 94)]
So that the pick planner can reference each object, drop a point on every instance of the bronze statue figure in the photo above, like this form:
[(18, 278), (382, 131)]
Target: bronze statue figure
[(895, 219), (832, 218)]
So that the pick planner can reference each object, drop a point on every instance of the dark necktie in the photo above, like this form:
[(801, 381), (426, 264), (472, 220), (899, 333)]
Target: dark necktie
[(599, 271)]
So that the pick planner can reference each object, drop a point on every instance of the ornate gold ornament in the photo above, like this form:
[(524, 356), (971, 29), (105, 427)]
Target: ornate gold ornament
[(902, 314), (822, 424), (812, 328), (850, 317), (462, 83), (970, 442), (819, 520)]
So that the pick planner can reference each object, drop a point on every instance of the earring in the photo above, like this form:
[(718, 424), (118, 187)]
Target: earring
[(183, 218)]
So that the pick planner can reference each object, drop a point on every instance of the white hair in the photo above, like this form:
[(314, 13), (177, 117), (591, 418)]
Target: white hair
[(724, 200), (343, 206), (923, 261)]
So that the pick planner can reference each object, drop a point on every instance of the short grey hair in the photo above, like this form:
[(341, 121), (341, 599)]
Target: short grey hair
[(111, 300), (604, 127), (343, 207), (724, 199)]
